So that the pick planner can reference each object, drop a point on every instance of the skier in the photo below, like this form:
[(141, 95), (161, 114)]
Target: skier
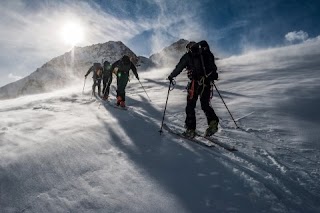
[(202, 70), (107, 79), (121, 69), (97, 70)]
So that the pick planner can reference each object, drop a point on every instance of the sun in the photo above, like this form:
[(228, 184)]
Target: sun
[(72, 33)]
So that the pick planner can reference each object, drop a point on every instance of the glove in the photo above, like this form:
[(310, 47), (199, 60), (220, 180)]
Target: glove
[(137, 77), (190, 74), (85, 76), (170, 78)]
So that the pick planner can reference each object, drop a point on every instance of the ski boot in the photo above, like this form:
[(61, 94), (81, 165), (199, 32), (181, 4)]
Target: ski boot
[(122, 104), (213, 128), (190, 133), (119, 99)]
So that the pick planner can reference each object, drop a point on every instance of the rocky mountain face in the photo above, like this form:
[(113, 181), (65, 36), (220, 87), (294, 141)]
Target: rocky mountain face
[(170, 55), (62, 70)]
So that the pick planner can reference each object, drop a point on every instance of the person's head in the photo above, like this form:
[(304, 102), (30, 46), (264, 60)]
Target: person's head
[(189, 45), (126, 59), (106, 63), (204, 45)]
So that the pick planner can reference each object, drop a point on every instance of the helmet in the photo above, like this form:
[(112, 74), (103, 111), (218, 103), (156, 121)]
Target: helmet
[(106, 63), (204, 45)]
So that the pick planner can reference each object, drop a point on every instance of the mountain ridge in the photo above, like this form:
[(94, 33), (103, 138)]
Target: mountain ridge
[(61, 71)]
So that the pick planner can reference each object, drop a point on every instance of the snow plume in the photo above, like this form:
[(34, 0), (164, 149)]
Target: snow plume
[(296, 36), (175, 20), (276, 58)]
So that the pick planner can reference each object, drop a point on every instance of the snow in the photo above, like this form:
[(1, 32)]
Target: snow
[(66, 152)]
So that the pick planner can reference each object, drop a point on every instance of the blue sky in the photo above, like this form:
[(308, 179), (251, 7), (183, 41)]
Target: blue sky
[(30, 29)]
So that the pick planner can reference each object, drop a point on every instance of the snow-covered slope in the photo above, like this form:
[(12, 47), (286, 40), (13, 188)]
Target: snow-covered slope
[(67, 152), (145, 64)]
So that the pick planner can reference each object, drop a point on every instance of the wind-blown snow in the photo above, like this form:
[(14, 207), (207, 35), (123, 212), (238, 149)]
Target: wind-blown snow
[(65, 152), (65, 70)]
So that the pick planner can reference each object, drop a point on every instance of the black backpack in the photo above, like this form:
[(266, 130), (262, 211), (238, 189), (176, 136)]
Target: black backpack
[(202, 61), (125, 64), (106, 69), (97, 69)]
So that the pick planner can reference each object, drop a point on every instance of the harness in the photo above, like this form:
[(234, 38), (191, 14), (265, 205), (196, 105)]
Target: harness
[(201, 81)]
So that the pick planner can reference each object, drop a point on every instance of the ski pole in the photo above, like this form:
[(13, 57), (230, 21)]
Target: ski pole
[(165, 107), (84, 85), (225, 104), (144, 90)]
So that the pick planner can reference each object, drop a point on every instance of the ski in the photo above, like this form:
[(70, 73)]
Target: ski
[(210, 141), (195, 139), (216, 141), (222, 145)]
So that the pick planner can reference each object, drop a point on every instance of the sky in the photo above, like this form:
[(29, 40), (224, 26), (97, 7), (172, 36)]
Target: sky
[(34, 31), (65, 151)]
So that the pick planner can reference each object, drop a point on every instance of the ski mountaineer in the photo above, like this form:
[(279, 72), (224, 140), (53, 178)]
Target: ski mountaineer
[(106, 79), (97, 70), (202, 71), (121, 69)]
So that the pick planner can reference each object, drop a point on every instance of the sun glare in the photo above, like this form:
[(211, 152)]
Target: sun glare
[(72, 33)]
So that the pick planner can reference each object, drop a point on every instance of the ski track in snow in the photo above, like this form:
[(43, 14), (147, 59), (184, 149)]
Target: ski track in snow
[(267, 175)]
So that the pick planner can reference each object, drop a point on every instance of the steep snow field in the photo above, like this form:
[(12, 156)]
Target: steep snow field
[(67, 152)]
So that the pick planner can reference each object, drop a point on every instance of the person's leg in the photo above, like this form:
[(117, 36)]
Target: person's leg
[(104, 86), (108, 86), (99, 87), (121, 94), (94, 87), (212, 118), (191, 105)]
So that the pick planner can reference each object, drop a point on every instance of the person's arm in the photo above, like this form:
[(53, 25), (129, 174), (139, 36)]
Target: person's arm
[(214, 74), (90, 70), (214, 66), (134, 70), (179, 67)]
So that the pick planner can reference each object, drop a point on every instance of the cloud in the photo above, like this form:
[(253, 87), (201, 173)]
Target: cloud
[(30, 31), (38, 30), (32, 35), (14, 77), (296, 36)]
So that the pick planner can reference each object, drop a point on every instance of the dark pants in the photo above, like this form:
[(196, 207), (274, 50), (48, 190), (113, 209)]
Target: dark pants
[(121, 87), (96, 82), (204, 93), (106, 86)]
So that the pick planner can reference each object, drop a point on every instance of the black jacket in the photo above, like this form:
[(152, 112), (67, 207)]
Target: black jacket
[(193, 62), (124, 68)]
